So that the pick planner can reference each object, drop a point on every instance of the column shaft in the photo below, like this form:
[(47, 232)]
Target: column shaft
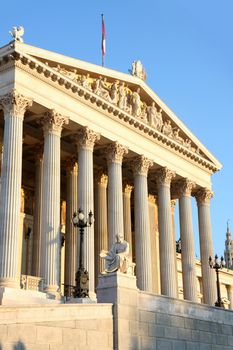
[(71, 235), (101, 222), (154, 241), (115, 154), (142, 225), (53, 123), (166, 243), (206, 246), (187, 242), (86, 141), (127, 216), (37, 217), (14, 106)]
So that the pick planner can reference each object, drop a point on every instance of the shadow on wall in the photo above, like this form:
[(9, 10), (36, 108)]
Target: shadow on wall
[(17, 346)]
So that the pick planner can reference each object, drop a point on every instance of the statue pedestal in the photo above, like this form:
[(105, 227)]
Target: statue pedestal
[(112, 285), (120, 289)]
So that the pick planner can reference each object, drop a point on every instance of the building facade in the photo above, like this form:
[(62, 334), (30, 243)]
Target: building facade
[(75, 135)]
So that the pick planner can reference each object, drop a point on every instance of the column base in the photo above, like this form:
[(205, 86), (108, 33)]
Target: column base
[(10, 282), (13, 296)]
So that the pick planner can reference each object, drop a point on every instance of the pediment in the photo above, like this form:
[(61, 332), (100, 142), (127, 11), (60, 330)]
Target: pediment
[(126, 96)]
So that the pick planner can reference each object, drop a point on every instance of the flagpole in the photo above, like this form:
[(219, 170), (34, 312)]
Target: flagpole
[(103, 43)]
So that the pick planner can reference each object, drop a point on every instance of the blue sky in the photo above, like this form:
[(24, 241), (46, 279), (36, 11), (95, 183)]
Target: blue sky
[(186, 47)]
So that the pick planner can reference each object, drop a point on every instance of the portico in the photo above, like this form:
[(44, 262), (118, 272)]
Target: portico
[(81, 122)]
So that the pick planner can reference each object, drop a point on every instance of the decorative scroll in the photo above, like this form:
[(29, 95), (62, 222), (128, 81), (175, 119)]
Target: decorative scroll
[(115, 152), (203, 196), (141, 165), (15, 104), (53, 122)]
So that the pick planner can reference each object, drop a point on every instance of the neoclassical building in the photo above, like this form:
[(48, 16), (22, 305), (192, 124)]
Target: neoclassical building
[(76, 135)]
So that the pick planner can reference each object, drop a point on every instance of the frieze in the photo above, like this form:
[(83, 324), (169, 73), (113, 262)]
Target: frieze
[(120, 96)]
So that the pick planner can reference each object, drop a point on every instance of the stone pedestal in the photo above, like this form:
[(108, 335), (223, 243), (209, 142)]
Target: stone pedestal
[(120, 290)]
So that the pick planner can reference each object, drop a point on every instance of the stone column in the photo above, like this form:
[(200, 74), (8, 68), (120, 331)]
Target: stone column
[(127, 216), (142, 224), (86, 141), (173, 209), (166, 240), (230, 295), (71, 235), (14, 106), (203, 197), (52, 125), (154, 241), (187, 240), (101, 222), (37, 217), (115, 153)]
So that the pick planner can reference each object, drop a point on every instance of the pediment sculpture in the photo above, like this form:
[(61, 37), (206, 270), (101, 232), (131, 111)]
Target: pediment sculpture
[(130, 101), (117, 258)]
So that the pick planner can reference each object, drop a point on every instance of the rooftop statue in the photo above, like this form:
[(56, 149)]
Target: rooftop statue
[(17, 33), (117, 258), (138, 70)]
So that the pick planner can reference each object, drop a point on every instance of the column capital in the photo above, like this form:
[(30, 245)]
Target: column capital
[(53, 122), (141, 165), (152, 199), (101, 179), (184, 187), (127, 189), (71, 165), (86, 138), (164, 176), (203, 196), (15, 104), (115, 152)]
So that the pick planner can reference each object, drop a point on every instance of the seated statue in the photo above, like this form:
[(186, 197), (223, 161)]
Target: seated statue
[(117, 258)]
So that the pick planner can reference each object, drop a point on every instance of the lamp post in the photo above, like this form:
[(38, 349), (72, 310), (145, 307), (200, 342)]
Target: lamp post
[(81, 277), (217, 265)]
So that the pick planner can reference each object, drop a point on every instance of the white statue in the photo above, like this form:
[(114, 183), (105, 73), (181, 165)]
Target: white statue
[(136, 103), (155, 117), (17, 33), (117, 258), (138, 70)]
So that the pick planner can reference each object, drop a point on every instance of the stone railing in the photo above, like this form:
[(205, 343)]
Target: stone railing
[(31, 283)]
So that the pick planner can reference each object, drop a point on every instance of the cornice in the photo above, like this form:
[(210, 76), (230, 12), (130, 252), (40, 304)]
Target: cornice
[(47, 74)]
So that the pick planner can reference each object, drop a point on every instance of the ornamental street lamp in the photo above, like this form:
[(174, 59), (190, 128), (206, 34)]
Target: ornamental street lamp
[(217, 265), (81, 277)]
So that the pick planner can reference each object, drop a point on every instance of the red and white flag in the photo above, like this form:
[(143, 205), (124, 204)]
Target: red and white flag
[(103, 40)]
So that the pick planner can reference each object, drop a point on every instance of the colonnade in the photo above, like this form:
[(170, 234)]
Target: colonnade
[(112, 210)]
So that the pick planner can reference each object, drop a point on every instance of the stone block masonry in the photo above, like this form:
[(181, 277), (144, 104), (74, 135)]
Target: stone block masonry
[(59, 327)]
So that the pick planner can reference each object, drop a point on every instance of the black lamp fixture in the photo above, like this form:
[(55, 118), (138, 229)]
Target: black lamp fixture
[(217, 265), (82, 277)]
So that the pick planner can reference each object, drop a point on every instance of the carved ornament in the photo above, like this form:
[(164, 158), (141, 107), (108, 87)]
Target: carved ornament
[(53, 122), (115, 152), (164, 176), (87, 138), (152, 199), (128, 189), (184, 187), (15, 104), (71, 165), (203, 196), (141, 166)]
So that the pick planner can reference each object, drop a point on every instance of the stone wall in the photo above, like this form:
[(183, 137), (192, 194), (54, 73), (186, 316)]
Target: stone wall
[(59, 327), (144, 321)]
